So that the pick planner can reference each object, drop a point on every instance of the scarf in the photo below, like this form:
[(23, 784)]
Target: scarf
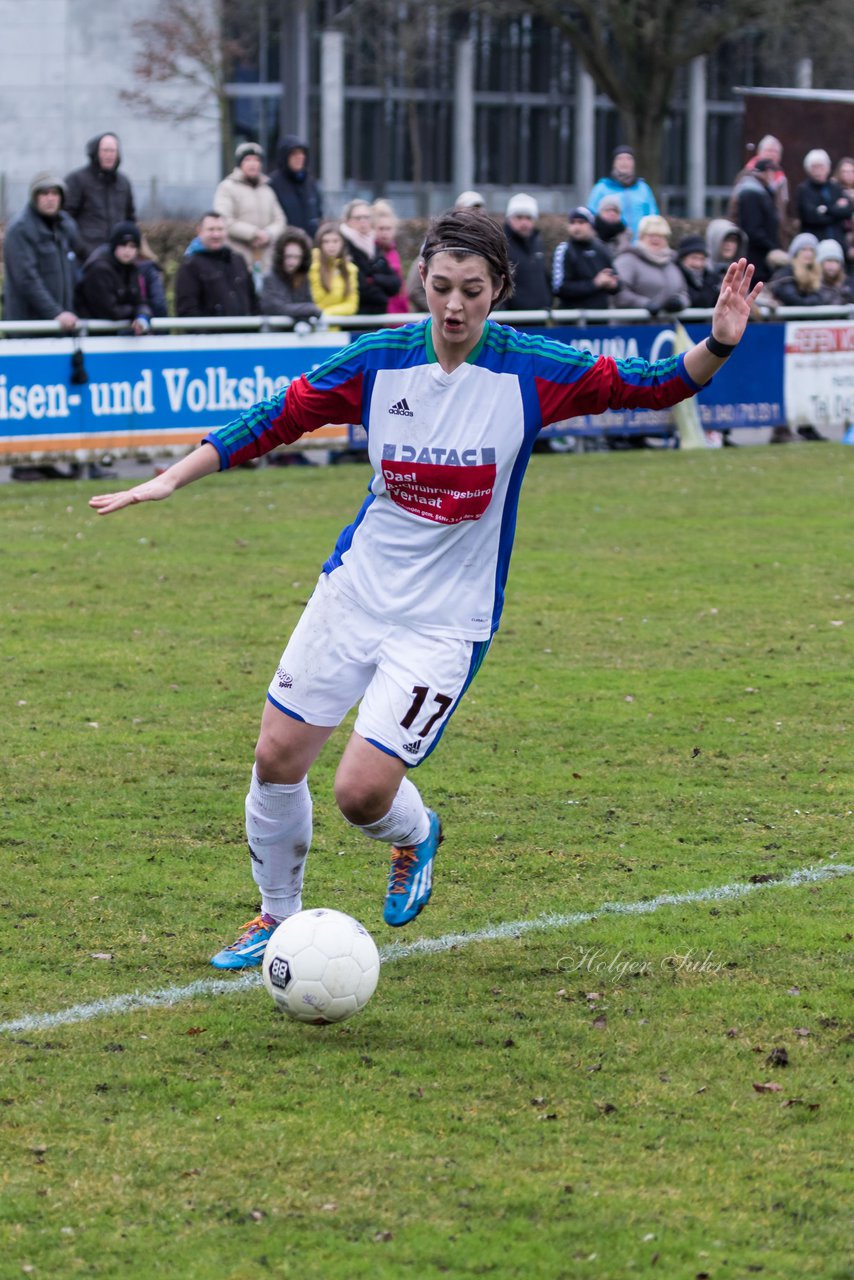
[(660, 257), (364, 243)]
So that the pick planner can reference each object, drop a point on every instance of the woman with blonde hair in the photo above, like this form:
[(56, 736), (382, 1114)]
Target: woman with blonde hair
[(333, 278)]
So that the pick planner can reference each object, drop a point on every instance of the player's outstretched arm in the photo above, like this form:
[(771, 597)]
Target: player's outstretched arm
[(201, 462), (729, 320)]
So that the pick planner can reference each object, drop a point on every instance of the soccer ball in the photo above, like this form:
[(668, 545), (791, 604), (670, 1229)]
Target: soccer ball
[(321, 966)]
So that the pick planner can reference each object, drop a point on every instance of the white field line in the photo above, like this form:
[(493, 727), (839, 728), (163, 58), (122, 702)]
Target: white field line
[(169, 996)]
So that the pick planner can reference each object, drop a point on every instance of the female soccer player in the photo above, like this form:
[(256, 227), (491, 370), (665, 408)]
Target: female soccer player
[(406, 604)]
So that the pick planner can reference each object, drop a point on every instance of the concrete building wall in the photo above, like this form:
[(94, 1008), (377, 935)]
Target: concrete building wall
[(63, 64)]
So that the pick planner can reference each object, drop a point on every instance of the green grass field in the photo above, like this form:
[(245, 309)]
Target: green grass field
[(667, 708)]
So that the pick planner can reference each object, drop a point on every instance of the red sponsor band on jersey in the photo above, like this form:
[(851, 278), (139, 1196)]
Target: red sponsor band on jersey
[(446, 495)]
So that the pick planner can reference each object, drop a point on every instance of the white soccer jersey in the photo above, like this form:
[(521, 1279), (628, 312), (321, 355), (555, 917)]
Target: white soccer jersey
[(431, 544)]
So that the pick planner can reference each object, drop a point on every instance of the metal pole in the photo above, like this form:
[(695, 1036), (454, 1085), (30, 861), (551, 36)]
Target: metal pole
[(697, 112), (464, 125), (585, 133), (332, 116)]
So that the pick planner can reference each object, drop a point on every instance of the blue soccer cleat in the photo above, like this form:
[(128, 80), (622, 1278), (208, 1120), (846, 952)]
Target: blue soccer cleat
[(410, 880), (248, 951)]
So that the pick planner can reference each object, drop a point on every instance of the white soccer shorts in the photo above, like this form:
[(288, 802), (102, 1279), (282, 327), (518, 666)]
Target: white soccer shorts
[(409, 684)]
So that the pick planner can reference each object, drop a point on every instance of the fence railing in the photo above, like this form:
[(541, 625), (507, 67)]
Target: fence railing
[(101, 390), (306, 328)]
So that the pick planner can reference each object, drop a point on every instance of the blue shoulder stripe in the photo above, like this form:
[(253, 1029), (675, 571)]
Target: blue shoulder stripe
[(384, 348)]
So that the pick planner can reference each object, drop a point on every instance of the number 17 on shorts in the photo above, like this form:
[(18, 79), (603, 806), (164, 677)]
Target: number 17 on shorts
[(404, 710), (407, 684)]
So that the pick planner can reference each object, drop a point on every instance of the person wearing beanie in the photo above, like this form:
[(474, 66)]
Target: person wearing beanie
[(97, 195), (469, 200), (527, 252), (636, 195), (610, 225), (648, 271), (296, 188), (799, 283), (835, 284), (254, 218), (701, 280), (111, 286), (582, 270), (823, 207)]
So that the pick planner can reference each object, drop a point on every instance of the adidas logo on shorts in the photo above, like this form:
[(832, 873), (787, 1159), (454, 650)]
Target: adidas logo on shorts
[(412, 747), (401, 409)]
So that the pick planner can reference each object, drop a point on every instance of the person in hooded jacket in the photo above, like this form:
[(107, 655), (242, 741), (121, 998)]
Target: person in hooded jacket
[(286, 290), (41, 267), (41, 271), (725, 243), (111, 287), (97, 196), (297, 190)]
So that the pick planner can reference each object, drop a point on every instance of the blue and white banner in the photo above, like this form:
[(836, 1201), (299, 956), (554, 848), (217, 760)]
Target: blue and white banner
[(162, 394), (159, 394), (748, 393)]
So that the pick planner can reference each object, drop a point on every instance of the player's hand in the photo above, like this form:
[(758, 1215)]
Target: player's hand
[(732, 309), (154, 490)]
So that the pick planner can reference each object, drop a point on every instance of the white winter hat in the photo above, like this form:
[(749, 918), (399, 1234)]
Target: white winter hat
[(469, 200), (829, 251), (522, 204)]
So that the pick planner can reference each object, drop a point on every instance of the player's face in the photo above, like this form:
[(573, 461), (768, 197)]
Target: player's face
[(460, 294)]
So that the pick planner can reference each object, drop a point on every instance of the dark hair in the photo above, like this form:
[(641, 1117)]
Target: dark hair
[(210, 213), (471, 231), (292, 235)]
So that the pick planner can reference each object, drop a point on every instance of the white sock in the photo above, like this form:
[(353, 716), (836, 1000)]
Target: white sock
[(278, 828), (406, 822)]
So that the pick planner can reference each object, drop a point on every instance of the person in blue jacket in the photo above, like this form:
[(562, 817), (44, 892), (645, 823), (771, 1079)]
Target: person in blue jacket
[(636, 196)]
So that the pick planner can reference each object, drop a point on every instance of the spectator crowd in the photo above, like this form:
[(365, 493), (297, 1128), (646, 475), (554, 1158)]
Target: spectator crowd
[(267, 246)]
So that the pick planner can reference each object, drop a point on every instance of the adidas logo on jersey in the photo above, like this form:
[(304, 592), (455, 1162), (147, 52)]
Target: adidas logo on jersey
[(412, 747), (401, 409)]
